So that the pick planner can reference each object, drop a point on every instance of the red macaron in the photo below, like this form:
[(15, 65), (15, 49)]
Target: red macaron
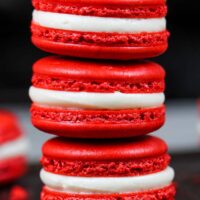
[(75, 169), (102, 29), (12, 148), (88, 99)]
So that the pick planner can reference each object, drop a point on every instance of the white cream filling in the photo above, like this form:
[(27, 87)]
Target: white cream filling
[(14, 148), (97, 24), (71, 184), (89, 100)]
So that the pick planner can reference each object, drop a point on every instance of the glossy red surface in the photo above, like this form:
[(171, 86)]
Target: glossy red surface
[(101, 70), (104, 150)]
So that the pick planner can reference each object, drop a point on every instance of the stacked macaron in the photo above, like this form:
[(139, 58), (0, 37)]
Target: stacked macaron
[(101, 109), (89, 99), (13, 148), (105, 29), (107, 170)]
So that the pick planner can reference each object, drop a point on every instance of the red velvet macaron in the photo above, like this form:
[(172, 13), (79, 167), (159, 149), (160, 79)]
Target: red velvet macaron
[(12, 148), (88, 99), (103, 29), (77, 169)]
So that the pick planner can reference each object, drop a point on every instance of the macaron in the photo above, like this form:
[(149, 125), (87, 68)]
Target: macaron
[(13, 147), (88, 99), (107, 170), (101, 29)]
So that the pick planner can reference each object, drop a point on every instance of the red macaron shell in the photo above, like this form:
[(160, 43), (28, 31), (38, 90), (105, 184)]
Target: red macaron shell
[(12, 168), (96, 51), (133, 167), (97, 123), (104, 150), (100, 39), (57, 73), (105, 158), (103, 9), (9, 129), (109, 2), (166, 193)]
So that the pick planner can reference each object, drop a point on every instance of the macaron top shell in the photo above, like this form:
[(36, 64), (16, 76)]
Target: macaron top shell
[(57, 73), (101, 70), (104, 158), (109, 2), (102, 150)]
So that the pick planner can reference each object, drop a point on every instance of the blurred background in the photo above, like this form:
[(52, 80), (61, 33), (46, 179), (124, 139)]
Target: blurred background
[(181, 63)]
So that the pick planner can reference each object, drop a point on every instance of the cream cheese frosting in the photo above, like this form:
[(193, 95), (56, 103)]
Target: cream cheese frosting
[(100, 185), (89, 100), (97, 24), (14, 148)]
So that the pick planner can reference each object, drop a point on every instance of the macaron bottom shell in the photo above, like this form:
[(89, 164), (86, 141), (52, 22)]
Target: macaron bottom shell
[(113, 124), (99, 52), (159, 194)]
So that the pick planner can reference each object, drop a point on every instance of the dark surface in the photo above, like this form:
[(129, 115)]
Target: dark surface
[(187, 168)]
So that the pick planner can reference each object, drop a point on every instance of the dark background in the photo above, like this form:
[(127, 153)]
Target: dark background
[(17, 53)]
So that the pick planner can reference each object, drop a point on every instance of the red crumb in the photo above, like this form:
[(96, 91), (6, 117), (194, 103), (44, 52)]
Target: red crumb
[(18, 193)]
